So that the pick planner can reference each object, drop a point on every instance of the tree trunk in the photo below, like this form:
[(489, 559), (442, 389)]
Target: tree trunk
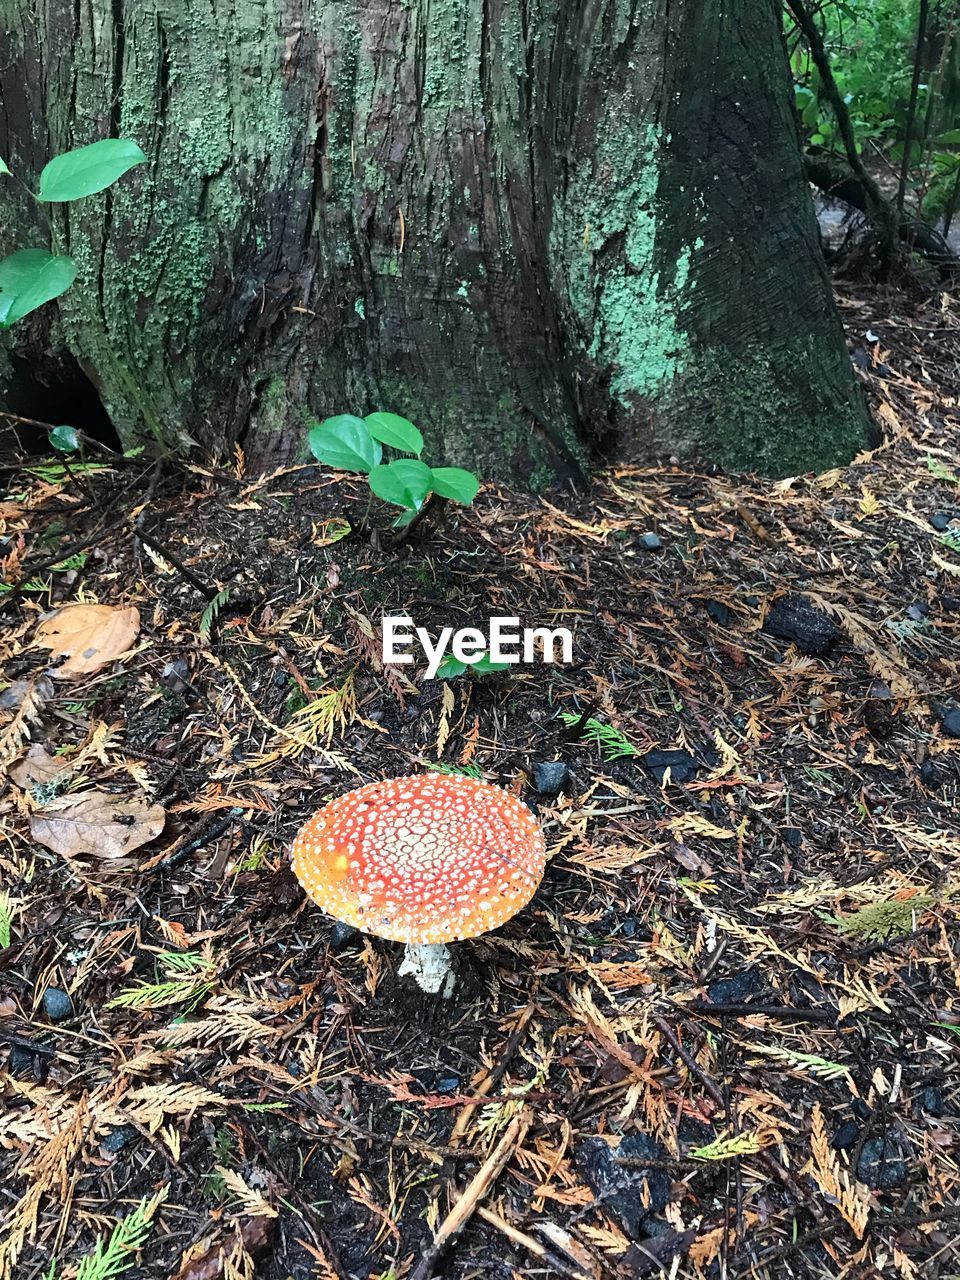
[(545, 230)]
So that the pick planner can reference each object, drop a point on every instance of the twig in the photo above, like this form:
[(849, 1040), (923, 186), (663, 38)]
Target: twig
[(206, 591), (463, 1210), (494, 1076), (734, 1010), (547, 1256)]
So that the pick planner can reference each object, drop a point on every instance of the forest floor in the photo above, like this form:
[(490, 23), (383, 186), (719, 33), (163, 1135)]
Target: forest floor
[(723, 1038)]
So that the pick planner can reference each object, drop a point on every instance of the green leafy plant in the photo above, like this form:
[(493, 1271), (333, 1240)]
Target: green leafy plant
[(738, 1144), (6, 920), (31, 277), (187, 979), (116, 1254), (879, 920), (611, 741), (350, 443), (452, 667)]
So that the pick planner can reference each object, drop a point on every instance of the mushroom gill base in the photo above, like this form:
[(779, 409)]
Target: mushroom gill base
[(430, 964)]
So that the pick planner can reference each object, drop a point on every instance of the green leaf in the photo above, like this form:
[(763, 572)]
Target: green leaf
[(398, 433), (209, 615), (739, 1144), (345, 443), (3, 165), (450, 668), (405, 482), (483, 666), (29, 278), (454, 482), (88, 170), (65, 439)]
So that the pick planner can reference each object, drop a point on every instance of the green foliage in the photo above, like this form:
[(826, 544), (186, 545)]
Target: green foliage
[(114, 1256), (6, 920), (209, 615), (31, 277), (879, 920), (457, 770), (611, 741), (872, 46), (404, 482), (64, 439), (344, 442), (399, 433), (28, 279), (88, 170), (187, 979), (350, 443), (941, 472), (452, 667), (738, 1144)]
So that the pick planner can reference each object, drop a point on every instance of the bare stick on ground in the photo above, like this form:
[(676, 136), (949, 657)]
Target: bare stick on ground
[(463, 1210)]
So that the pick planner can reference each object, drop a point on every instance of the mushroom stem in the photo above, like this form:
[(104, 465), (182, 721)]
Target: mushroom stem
[(431, 965)]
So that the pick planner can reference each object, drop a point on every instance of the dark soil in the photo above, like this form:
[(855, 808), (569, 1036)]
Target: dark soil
[(740, 949)]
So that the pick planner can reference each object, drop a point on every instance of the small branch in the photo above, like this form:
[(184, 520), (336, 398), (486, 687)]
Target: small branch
[(463, 1210), (206, 591), (433, 506), (732, 1010)]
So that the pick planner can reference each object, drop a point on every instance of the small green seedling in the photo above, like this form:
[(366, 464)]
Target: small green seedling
[(350, 443), (31, 277), (452, 667)]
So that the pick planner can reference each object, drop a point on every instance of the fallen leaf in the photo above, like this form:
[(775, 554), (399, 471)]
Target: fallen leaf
[(91, 635), (39, 767), (98, 823)]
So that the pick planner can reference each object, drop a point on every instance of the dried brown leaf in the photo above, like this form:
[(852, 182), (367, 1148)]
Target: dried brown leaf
[(98, 823), (90, 635)]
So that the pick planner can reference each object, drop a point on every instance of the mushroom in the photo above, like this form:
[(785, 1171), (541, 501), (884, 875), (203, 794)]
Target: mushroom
[(424, 860)]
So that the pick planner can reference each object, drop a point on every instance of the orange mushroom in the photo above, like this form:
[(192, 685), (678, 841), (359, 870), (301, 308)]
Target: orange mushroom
[(424, 860)]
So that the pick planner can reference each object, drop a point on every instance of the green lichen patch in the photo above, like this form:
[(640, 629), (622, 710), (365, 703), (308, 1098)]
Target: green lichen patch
[(628, 302)]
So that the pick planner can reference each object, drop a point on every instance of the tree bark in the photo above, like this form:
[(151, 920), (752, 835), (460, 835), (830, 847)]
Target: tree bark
[(545, 230)]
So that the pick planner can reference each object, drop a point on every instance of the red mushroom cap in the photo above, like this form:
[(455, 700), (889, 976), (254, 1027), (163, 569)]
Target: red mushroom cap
[(430, 858)]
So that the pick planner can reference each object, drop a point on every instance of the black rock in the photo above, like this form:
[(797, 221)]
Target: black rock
[(682, 765), (937, 771), (57, 1005), (21, 1060), (882, 1163), (448, 1084), (917, 611), (719, 612), (550, 777), (846, 1136), (119, 1137), (950, 722), (650, 542), (860, 1109), (341, 935), (932, 1101), (736, 989), (628, 1193), (792, 836), (795, 619), (941, 521)]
